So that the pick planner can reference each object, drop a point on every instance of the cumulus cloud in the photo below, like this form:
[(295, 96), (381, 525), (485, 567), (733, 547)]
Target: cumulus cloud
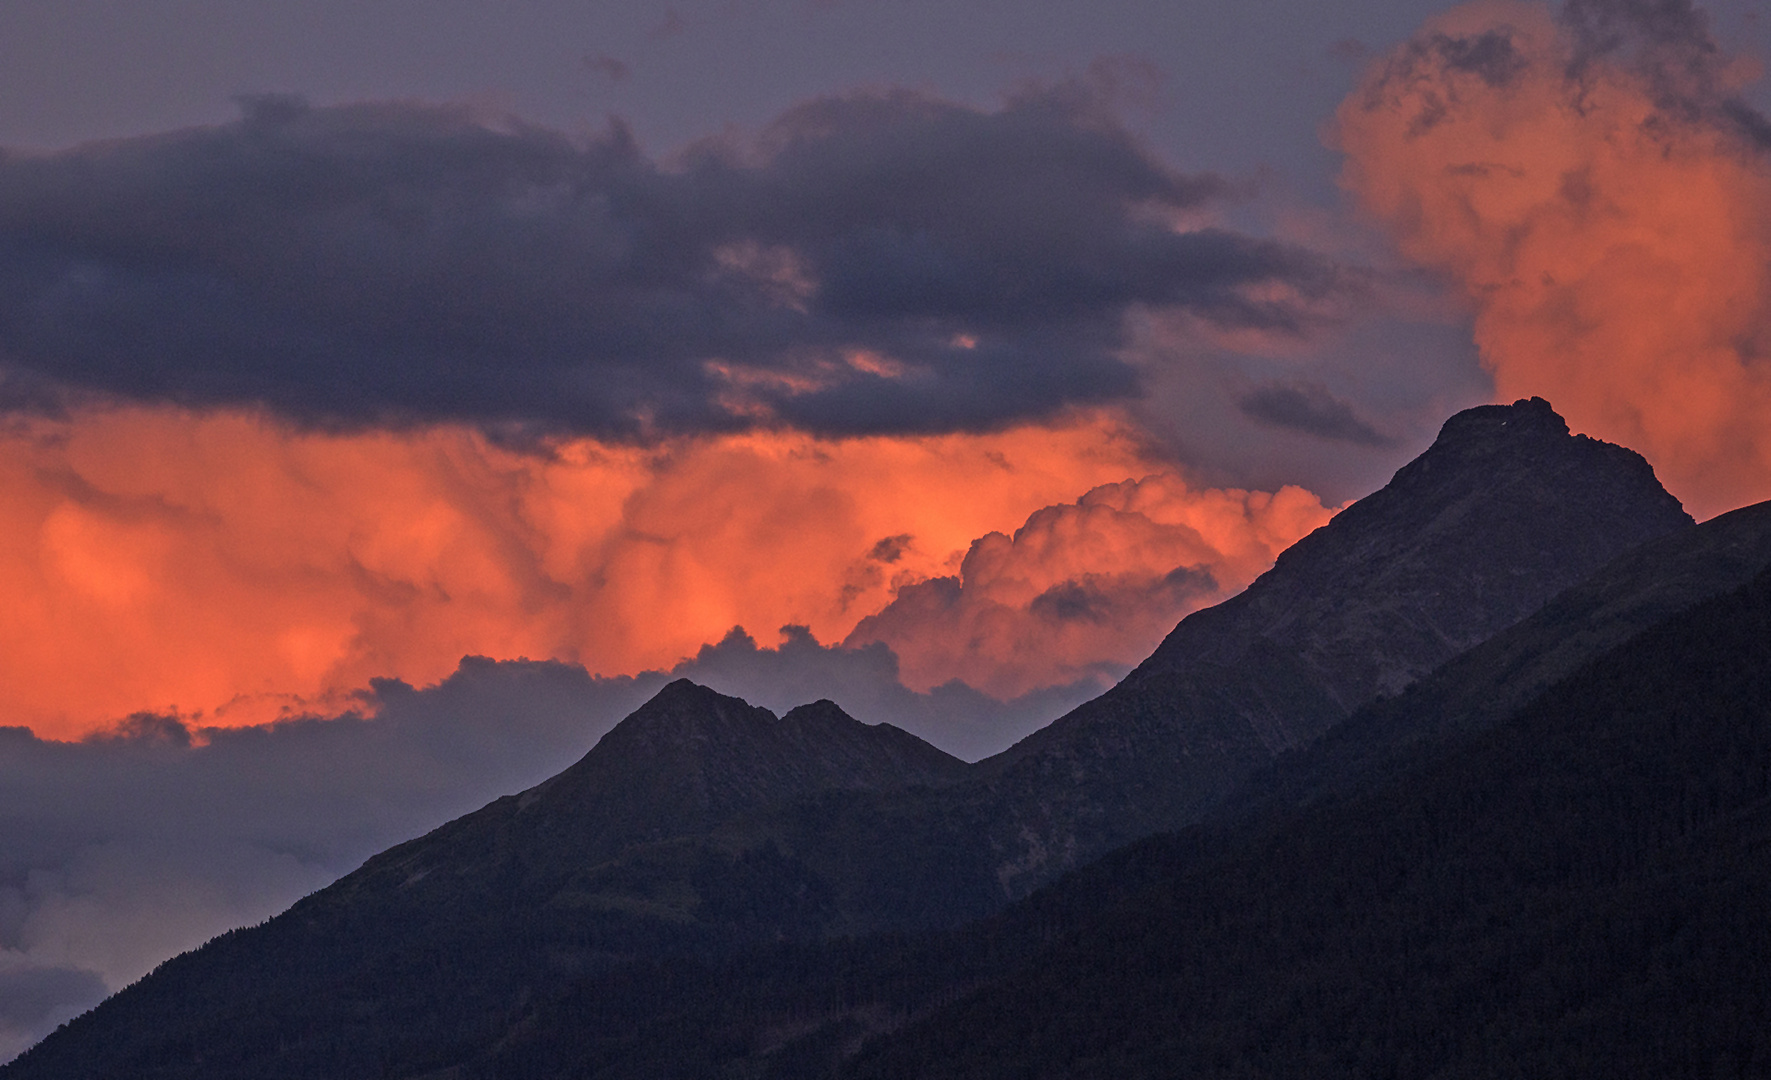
[(875, 262), (1086, 589), (1601, 192), (156, 560)]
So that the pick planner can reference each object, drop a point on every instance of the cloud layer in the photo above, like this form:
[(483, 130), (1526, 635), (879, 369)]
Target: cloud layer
[(872, 263), (156, 560), (1602, 195)]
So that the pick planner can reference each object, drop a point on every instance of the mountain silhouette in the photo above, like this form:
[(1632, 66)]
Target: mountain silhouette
[(1578, 890), (1502, 512)]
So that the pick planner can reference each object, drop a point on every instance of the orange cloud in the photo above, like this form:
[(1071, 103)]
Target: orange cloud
[(1089, 587), (1608, 221), (154, 559), (224, 564)]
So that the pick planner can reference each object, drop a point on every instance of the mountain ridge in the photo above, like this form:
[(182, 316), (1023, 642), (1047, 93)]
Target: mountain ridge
[(1503, 511)]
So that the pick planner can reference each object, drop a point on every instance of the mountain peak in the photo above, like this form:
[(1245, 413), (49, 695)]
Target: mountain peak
[(1485, 424), (692, 756), (1505, 510)]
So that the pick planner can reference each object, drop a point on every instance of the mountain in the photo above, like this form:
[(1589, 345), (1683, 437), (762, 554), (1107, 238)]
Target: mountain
[(701, 830), (1502, 512), (426, 953), (1572, 885), (630, 824), (1577, 891), (1484, 685)]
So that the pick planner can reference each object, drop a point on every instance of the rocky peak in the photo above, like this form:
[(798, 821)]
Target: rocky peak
[(1483, 428), (1502, 512), (691, 757), (1505, 510)]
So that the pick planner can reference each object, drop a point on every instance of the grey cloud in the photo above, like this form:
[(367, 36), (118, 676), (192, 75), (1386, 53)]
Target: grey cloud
[(609, 67), (34, 999), (1489, 55), (1309, 408), (1072, 601), (873, 263), (864, 681), (1670, 44), (891, 548), (125, 849)]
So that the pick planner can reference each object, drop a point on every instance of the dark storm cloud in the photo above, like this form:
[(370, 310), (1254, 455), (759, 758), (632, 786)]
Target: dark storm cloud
[(1490, 56), (1668, 42), (875, 263), (1309, 408)]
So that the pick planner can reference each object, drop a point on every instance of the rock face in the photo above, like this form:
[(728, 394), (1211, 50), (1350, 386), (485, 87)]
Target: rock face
[(1502, 512)]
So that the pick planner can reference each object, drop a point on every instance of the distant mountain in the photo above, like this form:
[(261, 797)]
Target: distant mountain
[(701, 829), (681, 766), (690, 759), (431, 948), (1502, 512)]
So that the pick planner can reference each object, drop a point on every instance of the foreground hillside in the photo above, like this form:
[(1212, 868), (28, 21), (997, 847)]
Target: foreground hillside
[(1580, 891)]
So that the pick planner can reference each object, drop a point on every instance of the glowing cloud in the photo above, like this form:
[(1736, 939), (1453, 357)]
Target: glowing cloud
[(1087, 588), (224, 564), (1604, 200), (153, 559)]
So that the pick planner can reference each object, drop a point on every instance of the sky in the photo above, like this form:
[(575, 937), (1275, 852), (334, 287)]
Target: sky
[(394, 395)]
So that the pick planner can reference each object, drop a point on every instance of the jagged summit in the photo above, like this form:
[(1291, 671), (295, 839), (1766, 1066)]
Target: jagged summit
[(1485, 425), (1503, 511), (684, 765), (691, 756)]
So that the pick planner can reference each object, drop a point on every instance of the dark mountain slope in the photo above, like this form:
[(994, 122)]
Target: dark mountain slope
[(1489, 682), (1578, 891), (1502, 512), (424, 955), (794, 1012)]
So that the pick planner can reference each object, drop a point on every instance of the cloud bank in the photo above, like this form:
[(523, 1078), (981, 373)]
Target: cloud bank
[(1602, 194), (228, 566), (872, 263)]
